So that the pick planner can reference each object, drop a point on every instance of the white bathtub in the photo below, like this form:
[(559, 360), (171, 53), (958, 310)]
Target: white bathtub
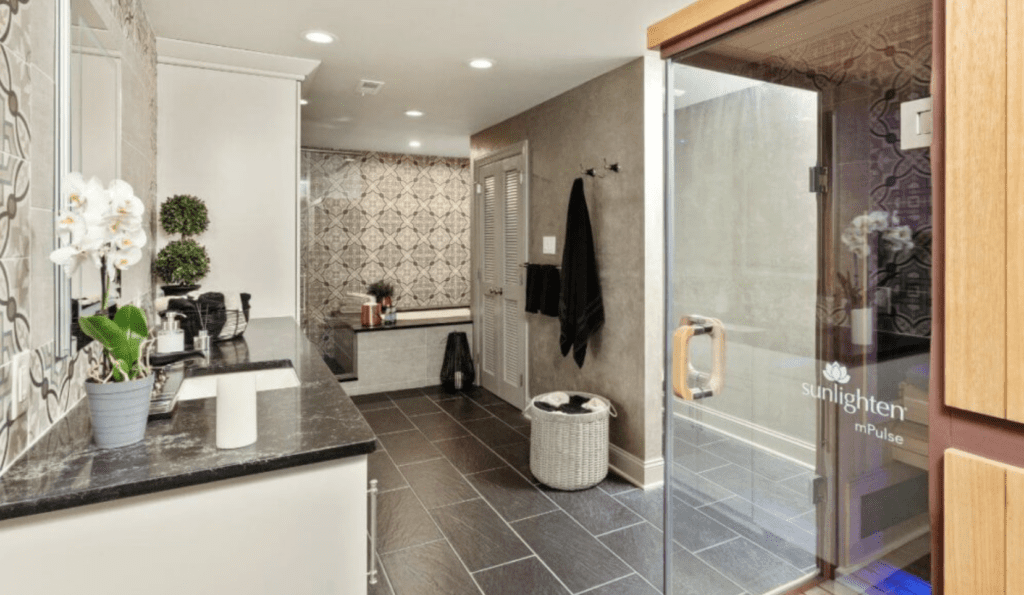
[(443, 313)]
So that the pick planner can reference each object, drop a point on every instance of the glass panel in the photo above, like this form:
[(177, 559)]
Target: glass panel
[(803, 225)]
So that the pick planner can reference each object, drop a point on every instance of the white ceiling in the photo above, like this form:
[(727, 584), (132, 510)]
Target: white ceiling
[(420, 49)]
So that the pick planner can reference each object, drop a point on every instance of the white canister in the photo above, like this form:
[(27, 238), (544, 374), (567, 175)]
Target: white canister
[(236, 410), (862, 326)]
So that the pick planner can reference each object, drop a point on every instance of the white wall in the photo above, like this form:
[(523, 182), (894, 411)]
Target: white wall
[(232, 140)]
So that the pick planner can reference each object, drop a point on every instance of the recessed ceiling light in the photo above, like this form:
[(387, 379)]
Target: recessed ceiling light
[(481, 63), (319, 37), (415, 144), (414, 113), (303, 102)]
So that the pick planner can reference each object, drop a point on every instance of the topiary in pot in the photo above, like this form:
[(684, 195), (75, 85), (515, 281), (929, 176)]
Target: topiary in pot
[(184, 214), (181, 263)]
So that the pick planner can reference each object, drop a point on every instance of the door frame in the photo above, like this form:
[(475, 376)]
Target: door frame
[(477, 246)]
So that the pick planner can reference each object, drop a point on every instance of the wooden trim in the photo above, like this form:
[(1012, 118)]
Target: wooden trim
[(976, 206), (723, 26), (975, 556), (1015, 209), (695, 16), (1014, 530)]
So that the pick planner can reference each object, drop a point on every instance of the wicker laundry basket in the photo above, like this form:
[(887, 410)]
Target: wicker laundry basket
[(569, 451)]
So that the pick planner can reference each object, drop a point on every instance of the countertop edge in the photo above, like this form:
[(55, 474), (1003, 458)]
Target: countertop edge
[(163, 484)]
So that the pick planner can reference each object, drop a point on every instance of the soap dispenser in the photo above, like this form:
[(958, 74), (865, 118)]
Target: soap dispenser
[(170, 338)]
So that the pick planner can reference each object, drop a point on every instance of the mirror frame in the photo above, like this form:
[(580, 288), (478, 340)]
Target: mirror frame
[(63, 344)]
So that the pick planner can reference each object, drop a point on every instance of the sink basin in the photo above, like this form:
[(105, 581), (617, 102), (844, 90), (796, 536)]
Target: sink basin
[(204, 387)]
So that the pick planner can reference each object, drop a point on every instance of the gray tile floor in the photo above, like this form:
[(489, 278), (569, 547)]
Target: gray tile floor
[(459, 511)]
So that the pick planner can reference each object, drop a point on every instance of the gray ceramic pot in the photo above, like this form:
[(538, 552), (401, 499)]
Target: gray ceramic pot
[(119, 411)]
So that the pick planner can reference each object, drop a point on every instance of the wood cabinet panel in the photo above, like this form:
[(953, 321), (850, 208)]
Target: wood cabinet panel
[(1015, 214), (975, 519), (1014, 530), (975, 205)]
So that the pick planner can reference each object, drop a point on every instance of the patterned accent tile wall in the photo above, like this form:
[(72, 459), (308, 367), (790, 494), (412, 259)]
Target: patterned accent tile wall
[(37, 389), (370, 216)]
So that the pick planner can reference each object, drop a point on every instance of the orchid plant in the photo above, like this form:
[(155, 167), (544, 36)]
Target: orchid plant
[(104, 227), (856, 237)]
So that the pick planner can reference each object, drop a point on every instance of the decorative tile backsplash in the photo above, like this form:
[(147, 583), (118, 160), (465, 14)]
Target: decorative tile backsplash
[(370, 216), (48, 387)]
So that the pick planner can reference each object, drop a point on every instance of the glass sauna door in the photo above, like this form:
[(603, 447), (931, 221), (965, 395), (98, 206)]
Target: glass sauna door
[(799, 260)]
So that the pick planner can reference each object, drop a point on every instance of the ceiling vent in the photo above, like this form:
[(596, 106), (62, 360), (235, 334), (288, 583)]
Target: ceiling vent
[(367, 87)]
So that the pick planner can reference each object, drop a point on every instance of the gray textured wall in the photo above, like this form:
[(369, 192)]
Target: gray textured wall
[(601, 119)]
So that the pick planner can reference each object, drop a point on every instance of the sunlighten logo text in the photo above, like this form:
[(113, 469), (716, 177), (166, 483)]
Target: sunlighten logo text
[(851, 402)]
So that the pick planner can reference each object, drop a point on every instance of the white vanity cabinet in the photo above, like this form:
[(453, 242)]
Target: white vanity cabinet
[(295, 531)]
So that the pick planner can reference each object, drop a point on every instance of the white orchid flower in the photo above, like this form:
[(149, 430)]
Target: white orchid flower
[(123, 201), (72, 226), (122, 259), (878, 220), (899, 238), (130, 238), (71, 257), (81, 192)]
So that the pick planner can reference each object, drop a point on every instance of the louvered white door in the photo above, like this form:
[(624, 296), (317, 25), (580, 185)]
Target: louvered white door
[(500, 192)]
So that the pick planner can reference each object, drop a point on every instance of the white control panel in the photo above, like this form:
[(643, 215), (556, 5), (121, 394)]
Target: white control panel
[(549, 244)]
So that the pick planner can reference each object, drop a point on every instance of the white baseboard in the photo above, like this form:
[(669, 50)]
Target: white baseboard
[(643, 474), (745, 431)]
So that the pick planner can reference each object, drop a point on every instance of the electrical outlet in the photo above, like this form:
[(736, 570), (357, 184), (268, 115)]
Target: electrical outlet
[(549, 244)]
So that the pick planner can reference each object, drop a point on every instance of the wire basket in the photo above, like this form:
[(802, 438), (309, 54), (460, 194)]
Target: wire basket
[(569, 451)]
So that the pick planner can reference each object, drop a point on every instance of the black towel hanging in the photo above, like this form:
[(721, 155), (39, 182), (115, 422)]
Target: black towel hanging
[(581, 308)]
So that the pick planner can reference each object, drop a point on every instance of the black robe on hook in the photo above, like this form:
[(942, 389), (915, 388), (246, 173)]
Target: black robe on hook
[(580, 309)]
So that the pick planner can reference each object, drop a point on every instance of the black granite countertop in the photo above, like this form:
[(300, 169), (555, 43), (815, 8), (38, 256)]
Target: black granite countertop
[(353, 321), (297, 426)]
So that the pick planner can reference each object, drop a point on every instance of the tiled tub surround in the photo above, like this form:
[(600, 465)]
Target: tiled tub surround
[(49, 387), (407, 355), (312, 423), (460, 512), (370, 216)]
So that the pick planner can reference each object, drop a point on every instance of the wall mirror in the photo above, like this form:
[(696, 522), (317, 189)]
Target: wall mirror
[(90, 96)]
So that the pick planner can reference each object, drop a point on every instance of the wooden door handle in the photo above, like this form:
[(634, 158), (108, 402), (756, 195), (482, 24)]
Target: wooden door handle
[(689, 327)]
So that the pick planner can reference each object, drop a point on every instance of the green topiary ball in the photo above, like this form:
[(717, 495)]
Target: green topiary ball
[(184, 214), (182, 262)]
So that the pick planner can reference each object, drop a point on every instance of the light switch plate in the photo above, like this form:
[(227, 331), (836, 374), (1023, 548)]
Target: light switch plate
[(20, 384), (549, 244), (916, 124)]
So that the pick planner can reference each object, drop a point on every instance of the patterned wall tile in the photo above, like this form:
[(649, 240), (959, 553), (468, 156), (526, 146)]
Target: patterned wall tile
[(52, 385), (369, 216)]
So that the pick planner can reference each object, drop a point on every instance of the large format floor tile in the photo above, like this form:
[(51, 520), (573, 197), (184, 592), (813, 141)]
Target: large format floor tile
[(479, 535), (649, 504), (463, 409), (439, 426), (750, 566), (642, 547), (437, 483), (782, 538), (510, 494), (510, 415), (469, 455), (594, 509), (694, 530), (416, 405), (517, 455), (402, 521), (382, 468), (631, 585), (691, 576), (525, 577), (386, 421), (408, 447), (431, 569), (494, 432), (576, 557)]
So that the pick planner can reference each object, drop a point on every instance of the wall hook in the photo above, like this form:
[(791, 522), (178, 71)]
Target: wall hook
[(589, 172), (613, 167)]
